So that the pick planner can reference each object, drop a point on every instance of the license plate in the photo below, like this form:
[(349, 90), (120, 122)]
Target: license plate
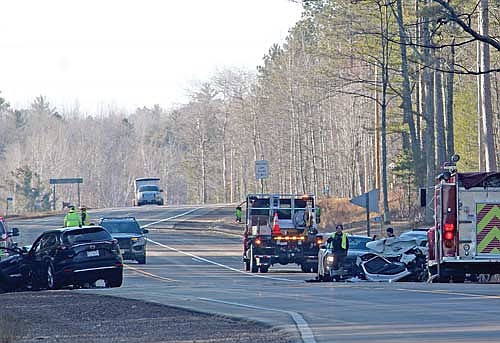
[(92, 253)]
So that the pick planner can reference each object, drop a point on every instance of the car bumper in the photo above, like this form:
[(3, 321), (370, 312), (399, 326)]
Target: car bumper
[(89, 272), (134, 252)]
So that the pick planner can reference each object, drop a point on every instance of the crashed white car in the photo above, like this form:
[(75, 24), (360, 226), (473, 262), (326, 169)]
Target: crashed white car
[(396, 258)]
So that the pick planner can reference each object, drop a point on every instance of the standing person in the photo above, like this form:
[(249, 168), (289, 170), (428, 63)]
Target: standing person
[(72, 218), (339, 244), (318, 214), (85, 216), (390, 232), (238, 214)]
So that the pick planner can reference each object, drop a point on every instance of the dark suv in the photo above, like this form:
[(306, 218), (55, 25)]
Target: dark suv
[(130, 237), (68, 256)]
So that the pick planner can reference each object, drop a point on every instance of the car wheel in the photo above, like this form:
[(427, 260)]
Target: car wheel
[(52, 282), (306, 268), (142, 260), (246, 265), (116, 281), (254, 268), (264, 268)]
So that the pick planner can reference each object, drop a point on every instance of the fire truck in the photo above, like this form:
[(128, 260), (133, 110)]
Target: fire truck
[(465, 239), (280, 229)]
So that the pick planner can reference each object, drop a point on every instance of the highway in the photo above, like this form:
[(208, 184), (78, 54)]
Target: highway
[(194, 262)]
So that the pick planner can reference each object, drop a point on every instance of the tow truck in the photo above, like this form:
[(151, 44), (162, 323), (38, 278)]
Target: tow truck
[(280, 229), (465, 239)]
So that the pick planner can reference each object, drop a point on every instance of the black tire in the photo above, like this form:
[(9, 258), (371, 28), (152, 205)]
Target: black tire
[(51, 280), (315, 267), (264, 268), (115, 281), (142, 259), (306, 268), (246, 265), (254, 268)]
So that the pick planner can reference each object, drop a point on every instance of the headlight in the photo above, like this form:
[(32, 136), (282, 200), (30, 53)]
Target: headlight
[(329, 259), (138, 240)]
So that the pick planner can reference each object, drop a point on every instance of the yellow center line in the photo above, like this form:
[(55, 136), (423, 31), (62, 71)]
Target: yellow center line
[(161, 278)]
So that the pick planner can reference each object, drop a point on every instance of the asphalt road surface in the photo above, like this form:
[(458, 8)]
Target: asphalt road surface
[(194, 262)]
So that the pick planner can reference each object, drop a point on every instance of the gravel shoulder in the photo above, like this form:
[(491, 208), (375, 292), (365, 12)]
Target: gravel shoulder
[(67, 316)]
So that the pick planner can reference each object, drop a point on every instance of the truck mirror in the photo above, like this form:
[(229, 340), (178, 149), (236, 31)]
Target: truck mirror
[(145, 231), (15, 232), (161, 190), (423, 197)]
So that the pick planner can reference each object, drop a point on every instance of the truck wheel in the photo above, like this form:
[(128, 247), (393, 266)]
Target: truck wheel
[(483, 278), (306, 268), (254, 268), (315, 267), (264, 268)]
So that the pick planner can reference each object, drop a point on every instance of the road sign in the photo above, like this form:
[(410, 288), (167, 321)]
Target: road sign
[(261, 169), (372, 200), (65, 180)]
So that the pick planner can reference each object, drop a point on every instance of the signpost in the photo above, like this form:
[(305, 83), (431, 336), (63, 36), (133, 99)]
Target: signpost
[(55, 182), (9, 199), (369, 201), (261, 172)]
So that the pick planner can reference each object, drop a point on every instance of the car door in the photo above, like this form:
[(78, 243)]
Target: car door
[(38, 256)]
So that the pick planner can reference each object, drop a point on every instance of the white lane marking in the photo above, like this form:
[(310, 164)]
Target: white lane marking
[(219, 264), (176, 216), (304, 329)]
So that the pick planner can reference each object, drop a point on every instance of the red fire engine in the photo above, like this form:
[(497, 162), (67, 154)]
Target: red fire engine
[(465, 239)]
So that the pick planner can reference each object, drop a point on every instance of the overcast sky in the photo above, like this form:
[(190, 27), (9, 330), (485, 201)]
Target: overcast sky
[(130, 53)]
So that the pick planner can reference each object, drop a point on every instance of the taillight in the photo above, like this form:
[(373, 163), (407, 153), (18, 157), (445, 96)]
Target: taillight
[(319, 241), (449, 235), (258, 241), (449, 232)]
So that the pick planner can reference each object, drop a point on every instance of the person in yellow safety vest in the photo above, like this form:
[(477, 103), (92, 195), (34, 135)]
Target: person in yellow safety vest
[(339, 243), (238, 214), (85, 216), (72, 218)]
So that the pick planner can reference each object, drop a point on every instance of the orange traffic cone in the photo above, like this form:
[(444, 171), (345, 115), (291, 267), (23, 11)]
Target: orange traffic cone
[(276, 225)]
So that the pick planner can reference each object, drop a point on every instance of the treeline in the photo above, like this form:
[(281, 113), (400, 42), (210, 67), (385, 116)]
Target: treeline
[(363, 94)]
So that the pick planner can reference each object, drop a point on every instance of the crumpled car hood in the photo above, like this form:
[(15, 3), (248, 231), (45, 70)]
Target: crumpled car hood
[(395, 246)]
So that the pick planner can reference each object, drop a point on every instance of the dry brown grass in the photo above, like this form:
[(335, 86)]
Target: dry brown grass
[(340, 211)]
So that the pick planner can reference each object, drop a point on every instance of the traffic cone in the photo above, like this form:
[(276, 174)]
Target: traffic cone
[(276, 226)]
